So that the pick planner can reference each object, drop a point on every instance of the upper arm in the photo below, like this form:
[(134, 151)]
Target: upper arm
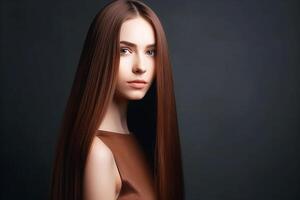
[(99, 176)]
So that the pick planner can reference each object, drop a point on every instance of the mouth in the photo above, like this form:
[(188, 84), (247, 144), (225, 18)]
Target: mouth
[(137, 84)]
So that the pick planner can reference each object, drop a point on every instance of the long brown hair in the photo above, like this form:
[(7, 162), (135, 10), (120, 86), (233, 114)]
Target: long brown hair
[(92, 90)]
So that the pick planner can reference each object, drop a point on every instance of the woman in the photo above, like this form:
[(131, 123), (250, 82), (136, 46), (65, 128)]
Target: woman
[(100, 154)]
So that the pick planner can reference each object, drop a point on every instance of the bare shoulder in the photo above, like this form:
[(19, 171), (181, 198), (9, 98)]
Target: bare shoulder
[(99, 174), (100, 153)]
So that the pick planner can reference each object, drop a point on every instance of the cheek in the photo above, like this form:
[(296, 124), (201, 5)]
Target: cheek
[(124, 69), (153, 70)]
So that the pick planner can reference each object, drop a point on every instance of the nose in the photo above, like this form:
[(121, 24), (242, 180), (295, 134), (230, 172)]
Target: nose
[(139, 66)]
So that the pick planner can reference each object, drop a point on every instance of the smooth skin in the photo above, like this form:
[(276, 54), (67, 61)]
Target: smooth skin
[(102, 179)]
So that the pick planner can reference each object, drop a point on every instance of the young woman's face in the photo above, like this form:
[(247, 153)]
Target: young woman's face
[(137, 59)]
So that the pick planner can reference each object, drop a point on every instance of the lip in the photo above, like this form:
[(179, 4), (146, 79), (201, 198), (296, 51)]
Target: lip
[(137, 84), (137, 81)]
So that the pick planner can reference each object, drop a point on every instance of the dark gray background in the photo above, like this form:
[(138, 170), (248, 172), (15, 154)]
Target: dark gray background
[(236, 73)]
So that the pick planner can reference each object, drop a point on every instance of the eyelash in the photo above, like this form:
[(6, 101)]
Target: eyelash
[(129, 50)]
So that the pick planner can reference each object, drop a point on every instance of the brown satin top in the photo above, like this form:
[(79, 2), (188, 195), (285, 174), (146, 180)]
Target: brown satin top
[(132, 164)]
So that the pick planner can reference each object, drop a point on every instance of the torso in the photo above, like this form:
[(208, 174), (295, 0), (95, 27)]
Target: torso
[(118, 180), (133, 179)]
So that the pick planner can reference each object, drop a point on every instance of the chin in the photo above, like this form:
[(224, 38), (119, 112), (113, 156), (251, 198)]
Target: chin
[(131, 95), (135, 96)]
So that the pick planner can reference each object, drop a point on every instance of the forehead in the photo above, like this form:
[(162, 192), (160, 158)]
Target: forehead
[(138, 31)]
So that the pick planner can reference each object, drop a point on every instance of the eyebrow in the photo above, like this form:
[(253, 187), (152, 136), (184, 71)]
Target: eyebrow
[(134, 45)]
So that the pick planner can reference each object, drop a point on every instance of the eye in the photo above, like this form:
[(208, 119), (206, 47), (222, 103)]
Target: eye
[(124, 50), (152, 52)]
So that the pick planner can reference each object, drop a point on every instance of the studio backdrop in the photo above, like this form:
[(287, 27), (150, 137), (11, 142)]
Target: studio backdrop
[(236, 79)]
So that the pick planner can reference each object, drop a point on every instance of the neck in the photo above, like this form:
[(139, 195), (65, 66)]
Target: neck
[(115, 118)]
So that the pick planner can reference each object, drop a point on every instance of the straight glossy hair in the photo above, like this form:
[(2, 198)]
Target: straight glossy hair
[(92, 90)]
